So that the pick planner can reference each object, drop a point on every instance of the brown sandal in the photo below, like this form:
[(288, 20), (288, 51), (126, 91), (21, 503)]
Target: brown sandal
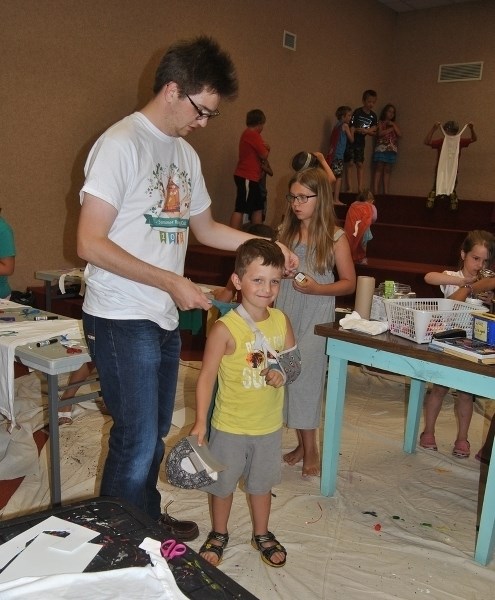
[(217, 549), (267, 552)]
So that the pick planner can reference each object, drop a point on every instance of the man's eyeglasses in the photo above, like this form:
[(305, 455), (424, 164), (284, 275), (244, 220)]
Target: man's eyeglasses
[(301, 198), (201, 113)]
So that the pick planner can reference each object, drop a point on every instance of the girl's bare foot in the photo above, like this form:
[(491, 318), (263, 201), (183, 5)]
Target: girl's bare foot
[(310, 470), (311, 464), (338, 203), (293, 457)]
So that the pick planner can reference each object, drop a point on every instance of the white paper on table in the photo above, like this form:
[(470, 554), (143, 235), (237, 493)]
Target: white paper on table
[(42, 558), (78, 535)]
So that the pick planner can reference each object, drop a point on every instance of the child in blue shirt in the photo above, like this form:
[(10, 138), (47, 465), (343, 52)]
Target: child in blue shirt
[(341, 134), (7, 257)]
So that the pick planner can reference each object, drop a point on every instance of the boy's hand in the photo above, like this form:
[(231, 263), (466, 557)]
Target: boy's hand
[(273, 377), (199, 431)]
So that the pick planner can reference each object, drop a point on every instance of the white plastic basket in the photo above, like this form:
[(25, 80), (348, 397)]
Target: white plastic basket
[(418, 319)]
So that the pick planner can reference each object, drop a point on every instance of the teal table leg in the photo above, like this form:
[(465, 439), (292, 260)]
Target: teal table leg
[(332, 431), (486, 536), (416, 396)]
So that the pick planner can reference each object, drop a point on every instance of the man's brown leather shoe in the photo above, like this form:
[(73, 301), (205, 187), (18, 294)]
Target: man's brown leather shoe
[(184, 531)]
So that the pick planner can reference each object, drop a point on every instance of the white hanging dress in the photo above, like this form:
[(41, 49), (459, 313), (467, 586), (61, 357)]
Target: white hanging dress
[(448, 162)]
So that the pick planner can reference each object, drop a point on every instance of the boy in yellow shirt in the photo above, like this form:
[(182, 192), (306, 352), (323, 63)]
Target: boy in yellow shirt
[(246, 432)]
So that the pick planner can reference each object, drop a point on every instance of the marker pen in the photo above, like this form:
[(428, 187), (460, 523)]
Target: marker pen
[(47, 342), (45, 318)]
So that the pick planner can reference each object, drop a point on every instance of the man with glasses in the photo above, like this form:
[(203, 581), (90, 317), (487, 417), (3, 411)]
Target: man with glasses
[(143, 191)]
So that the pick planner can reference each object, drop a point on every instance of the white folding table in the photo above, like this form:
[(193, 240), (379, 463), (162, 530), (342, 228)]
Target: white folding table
[(51, 275), (52, 361), (19, 335)]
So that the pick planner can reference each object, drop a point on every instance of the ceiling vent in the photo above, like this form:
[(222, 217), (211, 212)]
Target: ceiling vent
[(460, 72), (289, 40)]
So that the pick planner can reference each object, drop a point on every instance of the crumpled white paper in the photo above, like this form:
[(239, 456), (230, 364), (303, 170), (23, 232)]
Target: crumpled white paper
[(75, 273), (354, 321)]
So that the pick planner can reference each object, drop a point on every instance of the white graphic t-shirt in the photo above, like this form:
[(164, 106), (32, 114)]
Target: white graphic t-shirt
[(155, 183)]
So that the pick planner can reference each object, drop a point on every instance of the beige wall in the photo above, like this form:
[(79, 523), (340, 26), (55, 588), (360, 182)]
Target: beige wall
[(424, 40), (72, 69)]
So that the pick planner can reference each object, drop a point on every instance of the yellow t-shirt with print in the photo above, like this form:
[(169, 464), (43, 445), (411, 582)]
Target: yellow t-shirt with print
[(245, 404)]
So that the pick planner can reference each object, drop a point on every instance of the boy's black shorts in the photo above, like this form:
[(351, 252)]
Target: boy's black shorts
[(249, 197), (354, 153)]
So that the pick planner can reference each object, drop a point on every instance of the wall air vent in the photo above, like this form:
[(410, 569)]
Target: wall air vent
[(289, 40), (460, 72)]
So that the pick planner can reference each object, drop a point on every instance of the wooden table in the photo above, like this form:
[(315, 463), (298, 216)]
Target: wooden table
[(403, 357)]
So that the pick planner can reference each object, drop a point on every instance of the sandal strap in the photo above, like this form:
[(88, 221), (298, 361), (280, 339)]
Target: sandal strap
[(208, 546), (268, 537), (219, 537), (264, 537), (269, 551)]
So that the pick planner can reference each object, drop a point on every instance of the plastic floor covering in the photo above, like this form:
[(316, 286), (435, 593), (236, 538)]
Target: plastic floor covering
[(399, 526)]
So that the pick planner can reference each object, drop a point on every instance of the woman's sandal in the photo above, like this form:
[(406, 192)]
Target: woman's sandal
[(217, 549), (427, 441), (267, 552), (461, 449)]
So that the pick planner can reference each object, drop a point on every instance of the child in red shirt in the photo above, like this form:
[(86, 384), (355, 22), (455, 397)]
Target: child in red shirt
[(252, 151)]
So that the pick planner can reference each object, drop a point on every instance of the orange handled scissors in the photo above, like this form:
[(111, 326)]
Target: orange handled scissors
[(171, 549)]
